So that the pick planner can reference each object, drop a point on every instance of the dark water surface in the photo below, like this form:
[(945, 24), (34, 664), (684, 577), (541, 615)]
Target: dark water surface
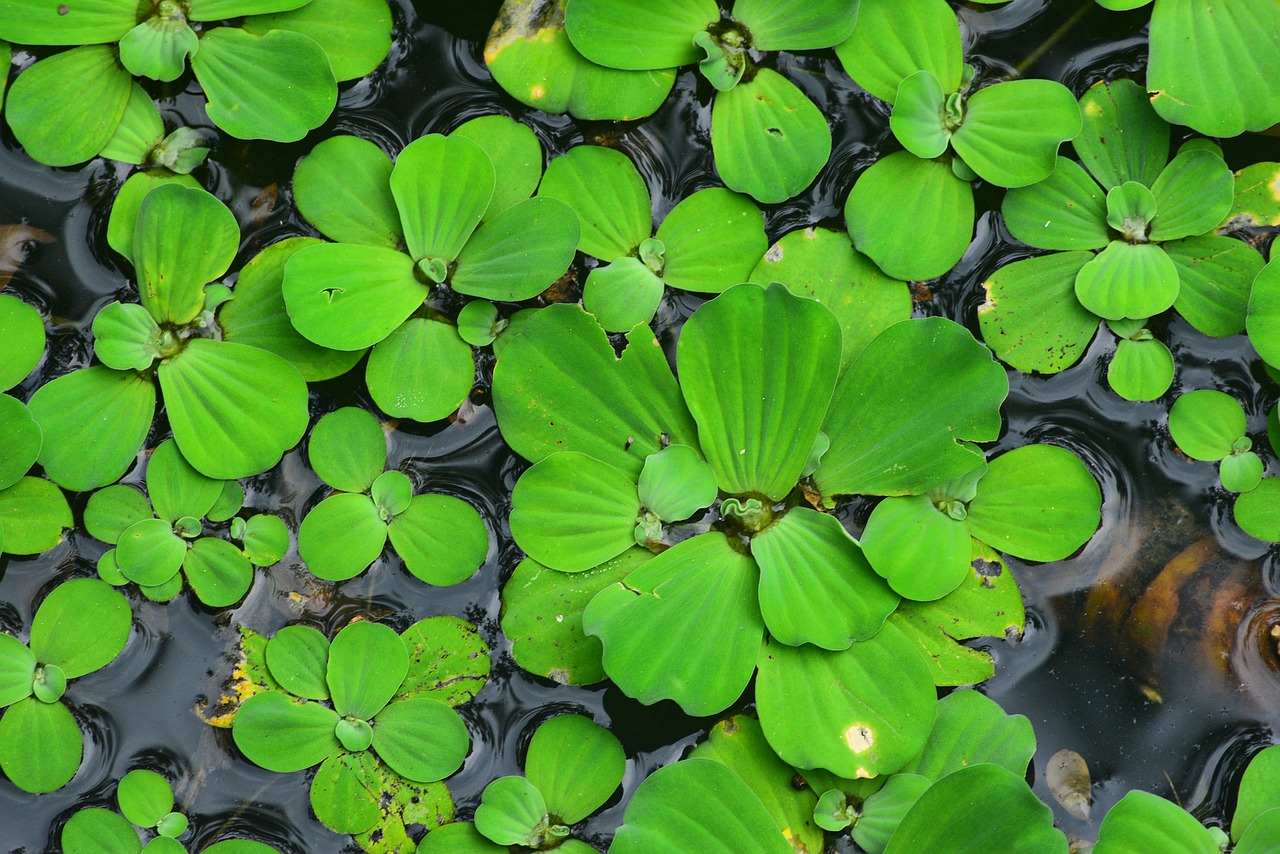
[(1074, 688)]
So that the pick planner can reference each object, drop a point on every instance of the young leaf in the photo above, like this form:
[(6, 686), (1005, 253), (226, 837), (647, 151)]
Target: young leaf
[(298, 657), (576, 765), (917, 116), (145, 797), (622, 294), (675, 483), (1140, 369), (441, 539), (1206, 424), (512, 812), (367, 663)]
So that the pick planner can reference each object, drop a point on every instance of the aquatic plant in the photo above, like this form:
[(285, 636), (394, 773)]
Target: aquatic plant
[(710, 241), (453, 211), (441, 539), (70, 106), (571, 768), (769, 140), (234, 408), (159, 539), (908, 54), (372, 708), (80, 627), (1153, 220)]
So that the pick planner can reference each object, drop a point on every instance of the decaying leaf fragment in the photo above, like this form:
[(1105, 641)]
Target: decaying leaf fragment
[(1068, 779)]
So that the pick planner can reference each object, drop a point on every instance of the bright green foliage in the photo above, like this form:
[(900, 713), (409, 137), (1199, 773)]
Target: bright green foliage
[(1150, 221), (1263, 318), (76, 104), (1258, 799), (81, 626), (1209, 425), (234, 409), (441, 539), (907, 52), (710, 241), (451, 211), (768, 138), (155, 540), (691, 624), (1145, 822), (376, 713)]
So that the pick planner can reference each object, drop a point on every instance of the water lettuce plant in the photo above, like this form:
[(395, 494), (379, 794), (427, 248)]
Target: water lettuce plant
[(80, 627), (711, 240), (692, 624), (769, 140), (146, 804), (452, 211), (908, 54), (372, 708), (234, 408), (1134, 235), (71, 105), (160, 539)]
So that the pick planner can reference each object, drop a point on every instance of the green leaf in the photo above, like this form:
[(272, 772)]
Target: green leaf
[(354, 34), (23, 441), (1067, 210), (1128, 280), (150, 553), (622, 294), (175, 488), (513, 812), (40, 745), (1037, 502), (1258, 511), (99, 831), (341, 536), (33, 514), (884, 810), (605, 190), (1256, 202), (145, 797), (244, 77), (348, 449), (234, 409), (892, 40), (122, 224), (1263, 320), (1130, 209), (920, 384), (697, 806), (916, 547), (795, 24), (458, 838), (298, 657), (901, 197), (479, 323), (675, 483), (516, 156), (159, 45), (441, 539), (769, 140), (126, 337), (17, 670), (1122, 138), (344, 792), (172, 268), (448, 660), (89, 22), (685, 626), (955, 815), (218, 572), (519, 253), (542, 614), (971, 730), (442, 187), (1193, 194), (560, 386), (916, 119), (1031, 317), (1262, 835), (604, 31), (65, 108), (1140, 370), (758, 411), (367, 663), (1206, 83), (420, 738), (1206, 424), (867, 709), (713, 239), (1012, 130), (576, 765), (140, 130), (1241, 472), (1145, 822), (403, 804), (1215, 275), (265, 539), (81, 626), (1257, 793), (278, 734), (423, 370), (23, 343), (815, 585), (216, 10), (343, 188)]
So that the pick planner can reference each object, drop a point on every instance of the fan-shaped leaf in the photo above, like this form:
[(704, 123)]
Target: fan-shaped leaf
[(916, 547), (1067, 210), (341, 536), (1128, 280), (1193, 194), (892, 40), (1140, 370), (1206, 424), (516, 156), (348, 449), (298, 657), (519, 253), (423, 370), (1031, 317), (713, 240), (23, 343), (22, 441), (1011, 131), (40, 745), (576, 765), (218, 572), (607, 193), (33, 514), (279, 734), (99, 831), (367, 663), (355, 34), (145, 797), (343, 188), (442, 187), (421, 739), (795, 24), (1215, 275), (604, 31), (344, 793), (441, 539), (1144, 822)]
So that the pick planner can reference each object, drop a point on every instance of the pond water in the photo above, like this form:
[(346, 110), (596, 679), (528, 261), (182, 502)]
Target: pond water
[(1067, 676)]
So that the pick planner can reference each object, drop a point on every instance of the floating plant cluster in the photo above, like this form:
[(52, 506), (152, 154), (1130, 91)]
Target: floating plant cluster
[(687, 513)]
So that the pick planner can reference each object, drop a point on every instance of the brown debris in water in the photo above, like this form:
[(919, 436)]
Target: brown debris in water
[(16, 243)]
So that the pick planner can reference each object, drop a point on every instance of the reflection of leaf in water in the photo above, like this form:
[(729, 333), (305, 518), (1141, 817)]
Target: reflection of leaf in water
[(15, 245)]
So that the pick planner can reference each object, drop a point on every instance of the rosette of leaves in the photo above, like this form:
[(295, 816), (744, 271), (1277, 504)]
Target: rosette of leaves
[(146, 804), (769, 140), (757, 400), (530, 56), (572, 767), (441, 539), (1135, 234), (33, 511), (1145, 822), (273, 75), (1209, 425), (234, 408), (371, 708), (1196, 74), (452, 211), (81, 626), (710, 241), (159, 541), (908, 53)]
